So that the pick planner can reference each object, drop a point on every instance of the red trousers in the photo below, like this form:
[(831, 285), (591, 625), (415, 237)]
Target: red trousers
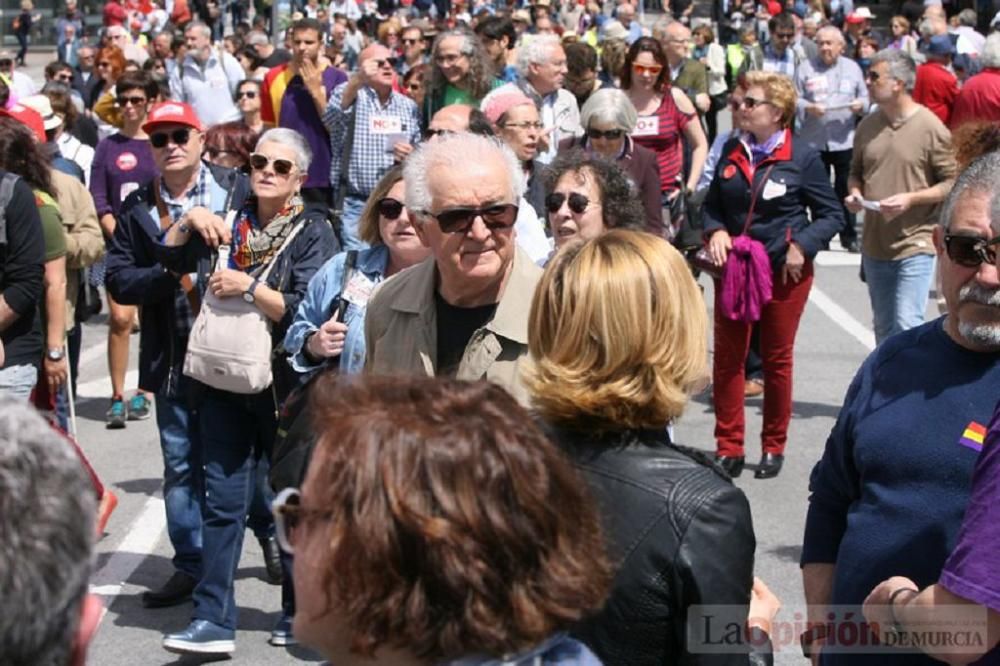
[(779, 322)]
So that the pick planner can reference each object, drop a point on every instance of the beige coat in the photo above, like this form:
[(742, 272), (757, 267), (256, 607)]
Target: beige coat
[(84, 241), (401, 328)]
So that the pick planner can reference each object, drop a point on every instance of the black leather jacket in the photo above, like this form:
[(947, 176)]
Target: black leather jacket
[(679, 533)]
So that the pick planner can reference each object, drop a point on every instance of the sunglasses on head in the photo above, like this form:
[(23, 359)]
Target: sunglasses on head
[(390, 208), (179, 137), (249, 94), (971, 251), (610, 135), (647, 69), (282, 167), (577, 202), (134, 100), (460, 220)]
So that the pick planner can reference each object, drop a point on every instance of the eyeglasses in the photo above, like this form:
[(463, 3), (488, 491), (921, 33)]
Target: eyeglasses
[(410, 42), (460, 220), (125, 100), (282, 167), (390, 208), (288, 513), (971, 251), (249, 94), (104, 64), (179, 137), (750, 103), (526, 125), (647, 69), (431, 133), (872, 76), (65, 78), (382, 62), (610, 135), (577, 202)]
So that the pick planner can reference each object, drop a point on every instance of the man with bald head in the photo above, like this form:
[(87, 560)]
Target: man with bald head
[(685, 72), (371, 128)]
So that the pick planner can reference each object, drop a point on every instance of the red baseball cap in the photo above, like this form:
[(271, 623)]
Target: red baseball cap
[(29, 117), (171, 113), (773, 8)]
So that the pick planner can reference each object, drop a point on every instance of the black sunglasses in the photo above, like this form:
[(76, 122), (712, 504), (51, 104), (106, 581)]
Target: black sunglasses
[(390, 208), (971, 251), (249, 94), (380, 62), (179, 137), (134, 100), (577, 202), (610, 135), (429, 133), (460, 220), (871, 76), (751, 102), (282, 167)]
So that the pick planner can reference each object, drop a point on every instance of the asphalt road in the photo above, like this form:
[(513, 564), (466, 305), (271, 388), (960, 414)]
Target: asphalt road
[(834, 338)]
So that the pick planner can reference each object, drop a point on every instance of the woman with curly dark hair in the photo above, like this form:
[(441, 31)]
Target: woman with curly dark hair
[(462, 72), (432, 529), (588, 195)]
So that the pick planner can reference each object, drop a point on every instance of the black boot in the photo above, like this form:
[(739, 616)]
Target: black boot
[(272, 559), (732, 464), (769, 466)]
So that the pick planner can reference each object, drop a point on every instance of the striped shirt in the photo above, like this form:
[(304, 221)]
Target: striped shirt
[(661, 133)]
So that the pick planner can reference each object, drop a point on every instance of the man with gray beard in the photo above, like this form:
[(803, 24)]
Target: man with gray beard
[(888, 496)]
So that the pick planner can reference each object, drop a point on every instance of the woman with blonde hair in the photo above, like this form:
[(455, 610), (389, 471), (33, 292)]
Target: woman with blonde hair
[(617, 333), (769, 210)]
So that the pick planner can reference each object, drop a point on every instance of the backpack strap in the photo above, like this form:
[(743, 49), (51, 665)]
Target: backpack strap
[(350, 265), (6, 195)]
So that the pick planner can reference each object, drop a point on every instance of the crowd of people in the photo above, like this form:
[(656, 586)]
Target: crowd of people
[(417, 292)]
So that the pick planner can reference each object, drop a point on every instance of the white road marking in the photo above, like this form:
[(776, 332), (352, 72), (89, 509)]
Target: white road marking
[(842, 318), (94, 352), (101, 387), (140, 542)]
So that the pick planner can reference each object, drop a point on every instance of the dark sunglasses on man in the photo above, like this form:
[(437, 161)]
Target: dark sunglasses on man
[(179, 137), (460, 220), (971, 251)]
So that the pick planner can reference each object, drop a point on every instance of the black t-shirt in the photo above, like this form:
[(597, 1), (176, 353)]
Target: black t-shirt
[(455, 327), (279, 57)]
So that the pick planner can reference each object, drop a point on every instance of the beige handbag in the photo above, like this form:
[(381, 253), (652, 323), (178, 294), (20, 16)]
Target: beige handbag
[(230, 343)]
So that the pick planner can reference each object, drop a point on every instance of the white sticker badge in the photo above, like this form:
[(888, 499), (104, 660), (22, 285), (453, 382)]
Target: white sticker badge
[(385, 125), (358, 289), (647, 126), (773, 190)]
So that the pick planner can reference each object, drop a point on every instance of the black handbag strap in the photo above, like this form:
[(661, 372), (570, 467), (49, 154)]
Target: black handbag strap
[(753, 199), (350, 265), (345, 158)]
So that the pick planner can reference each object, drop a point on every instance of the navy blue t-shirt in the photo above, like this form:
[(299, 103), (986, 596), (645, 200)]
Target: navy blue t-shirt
[(888, 496)]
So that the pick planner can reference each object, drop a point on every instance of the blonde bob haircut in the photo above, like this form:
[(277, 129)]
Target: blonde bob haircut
[(778, 90), (618, 334), (368, 223)]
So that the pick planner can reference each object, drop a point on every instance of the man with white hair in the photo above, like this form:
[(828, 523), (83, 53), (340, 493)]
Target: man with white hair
[(896, 474), (979, 97), (47, 615), (903, 166), (541, 69), (832, 96), (625, 13), (464, 311), (119, 37), (207, 78)]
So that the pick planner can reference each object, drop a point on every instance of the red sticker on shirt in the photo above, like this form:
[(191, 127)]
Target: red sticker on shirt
[(729, 171), (127, 161)]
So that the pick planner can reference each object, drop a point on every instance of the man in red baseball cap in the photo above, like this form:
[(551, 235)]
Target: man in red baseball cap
[(175, 135), (29, 117)]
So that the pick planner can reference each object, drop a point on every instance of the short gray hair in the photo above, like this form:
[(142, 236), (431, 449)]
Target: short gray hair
[(609, 106), (659, 31), (990, 57), (536, 51), (982, 175), (47, 519), (833, 30), (901, 66), (967, 17), (198, 25), (292, 139), (455, 151)]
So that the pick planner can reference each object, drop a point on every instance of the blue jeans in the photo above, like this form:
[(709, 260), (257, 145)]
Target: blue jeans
[(898, 292), (234, 428), (183, 491), (17, 381), (353, 206), (259, 520)]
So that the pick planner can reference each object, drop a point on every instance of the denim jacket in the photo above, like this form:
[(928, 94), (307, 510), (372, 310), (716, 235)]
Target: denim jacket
[(559, 650), (319, 304)]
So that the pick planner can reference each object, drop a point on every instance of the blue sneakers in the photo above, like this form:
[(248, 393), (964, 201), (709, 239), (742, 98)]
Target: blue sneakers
[(201, 637), (281, 635), (116, 415), (138, 407)]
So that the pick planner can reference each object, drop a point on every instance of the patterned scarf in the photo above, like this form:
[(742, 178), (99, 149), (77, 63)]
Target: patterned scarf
[(253, 247)]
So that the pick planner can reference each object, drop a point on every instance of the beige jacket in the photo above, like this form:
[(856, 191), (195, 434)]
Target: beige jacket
[(84, 241), (401, 328)]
